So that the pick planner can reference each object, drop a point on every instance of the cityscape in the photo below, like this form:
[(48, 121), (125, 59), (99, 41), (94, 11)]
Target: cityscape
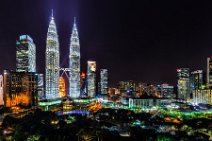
[(75, 97)]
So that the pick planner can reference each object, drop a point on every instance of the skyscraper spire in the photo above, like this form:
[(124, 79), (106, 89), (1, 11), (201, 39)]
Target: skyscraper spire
[(52, 17), (52, 61), (75, 20), (74, 63)]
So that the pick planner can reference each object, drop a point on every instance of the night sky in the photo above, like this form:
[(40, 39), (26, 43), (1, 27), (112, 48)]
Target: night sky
[(136, 40)]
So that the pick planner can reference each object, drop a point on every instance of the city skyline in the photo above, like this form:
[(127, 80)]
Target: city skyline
[(120, 39)]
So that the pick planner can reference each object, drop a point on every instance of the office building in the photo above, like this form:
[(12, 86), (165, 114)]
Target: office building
[(20, 88), (91, 79), (62, 87), (25, 54), (1, 90), (40, 86), (183, 87), (83, 84), (202, 96), (209, 73), (167, 91), (104, 81), (196, 80)]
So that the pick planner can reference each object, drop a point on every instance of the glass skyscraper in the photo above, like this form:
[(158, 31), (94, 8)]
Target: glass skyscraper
[(196, 80), (1, 90), (183, 84), (52, 62), (209, 72), (91, 79), (25, 54), (104, 81), (74, 60)]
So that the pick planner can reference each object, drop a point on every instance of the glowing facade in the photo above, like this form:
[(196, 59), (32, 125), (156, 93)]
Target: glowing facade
[(167, 91), (83, 84), (74, 60), (91, 79), (202, 96), (196, 80), (183, 84), (209, 72), (62, 87), (52, 62), (25, 54), (1, 90), (104, 81), (20, 88)]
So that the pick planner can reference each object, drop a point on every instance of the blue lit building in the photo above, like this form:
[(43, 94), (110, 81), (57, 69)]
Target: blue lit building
[(25, 54), (196, 80)]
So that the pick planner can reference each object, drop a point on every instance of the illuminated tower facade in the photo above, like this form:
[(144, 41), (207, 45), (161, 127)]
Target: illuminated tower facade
[(1, 90), (91, 79), (52, 62), (83, 84), (104, 81), (209, 72), (25, 54), (62, 87), (183, 83), (196, 80), (74, 60)]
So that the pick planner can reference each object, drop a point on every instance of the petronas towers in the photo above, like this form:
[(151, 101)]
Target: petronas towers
[(74, 64), (53, 65), (52, 62)]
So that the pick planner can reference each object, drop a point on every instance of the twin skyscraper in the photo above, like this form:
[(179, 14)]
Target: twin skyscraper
[(53, 63)]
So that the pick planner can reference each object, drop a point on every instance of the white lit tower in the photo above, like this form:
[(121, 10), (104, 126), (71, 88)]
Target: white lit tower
[(74, 60), (52, 61)]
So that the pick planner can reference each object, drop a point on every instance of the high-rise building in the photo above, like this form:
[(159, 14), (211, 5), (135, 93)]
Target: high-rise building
[(196, 79), (83, 84), (209, 72), (20, 88), (62, 86), (183, 84), (167, 91), (1, 90), (104, 81), (74, 60), (52, 62), (40, 86), (91, 79), (25, 54)]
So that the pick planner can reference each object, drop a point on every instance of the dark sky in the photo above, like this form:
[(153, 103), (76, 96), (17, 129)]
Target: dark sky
[(140, 40)]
